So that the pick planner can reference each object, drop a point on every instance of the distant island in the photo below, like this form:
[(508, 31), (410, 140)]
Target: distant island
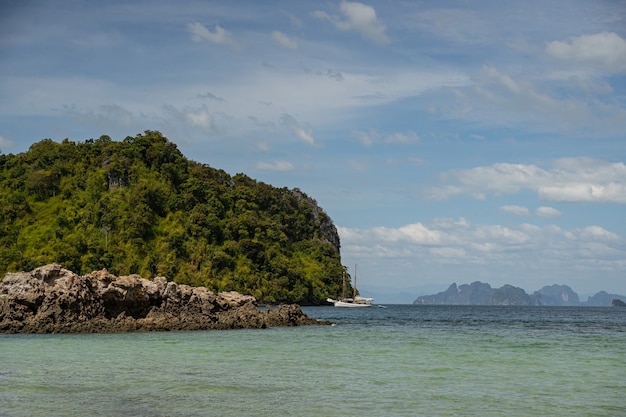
[(479, 293), (618, 303)]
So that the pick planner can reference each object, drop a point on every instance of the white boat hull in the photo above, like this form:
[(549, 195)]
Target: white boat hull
[(348, 304)]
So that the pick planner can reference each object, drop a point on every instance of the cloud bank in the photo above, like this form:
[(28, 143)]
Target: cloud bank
[(606, 51), (573, 180), (497, 253)]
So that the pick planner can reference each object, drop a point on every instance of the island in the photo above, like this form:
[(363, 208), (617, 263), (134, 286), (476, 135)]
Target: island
[(139, 206), (52, 299), (479, 293), (618, 303)]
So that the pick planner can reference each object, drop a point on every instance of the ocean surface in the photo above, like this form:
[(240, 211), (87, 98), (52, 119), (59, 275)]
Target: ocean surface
[(403, 360)]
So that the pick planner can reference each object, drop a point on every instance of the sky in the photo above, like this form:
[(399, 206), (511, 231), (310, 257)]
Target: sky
[(449, 141)]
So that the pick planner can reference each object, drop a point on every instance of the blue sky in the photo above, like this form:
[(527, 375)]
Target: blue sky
[(449, 141)]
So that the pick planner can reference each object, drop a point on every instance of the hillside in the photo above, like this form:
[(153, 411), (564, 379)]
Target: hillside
[(139, 206)]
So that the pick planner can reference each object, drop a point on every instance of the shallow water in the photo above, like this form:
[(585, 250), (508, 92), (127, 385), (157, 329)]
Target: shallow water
[(398, 361)]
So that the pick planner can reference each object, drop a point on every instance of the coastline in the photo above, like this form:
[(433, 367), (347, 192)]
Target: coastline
[(51, 299)]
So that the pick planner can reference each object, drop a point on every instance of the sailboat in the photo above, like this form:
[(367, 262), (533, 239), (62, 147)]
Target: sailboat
[(355, 301)]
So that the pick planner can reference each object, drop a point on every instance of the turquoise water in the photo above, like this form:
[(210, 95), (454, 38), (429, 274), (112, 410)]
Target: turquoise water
[(398, 361)]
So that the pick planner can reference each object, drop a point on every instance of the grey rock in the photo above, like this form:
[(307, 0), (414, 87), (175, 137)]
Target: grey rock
[(52, 299)]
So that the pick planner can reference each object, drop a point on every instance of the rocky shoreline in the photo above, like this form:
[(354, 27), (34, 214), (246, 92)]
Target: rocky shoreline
[(52, 299)]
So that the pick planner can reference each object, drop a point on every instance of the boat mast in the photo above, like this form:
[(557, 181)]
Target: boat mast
[(343, 283), (354, 289)]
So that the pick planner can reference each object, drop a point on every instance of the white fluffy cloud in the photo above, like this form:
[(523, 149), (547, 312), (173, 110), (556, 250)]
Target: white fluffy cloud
[(542, 211), (357, 17), (569, 180), (606, 50), (283, 40), (584, 192), (547, 212), (477, 241), (200, 33), (200, 118)]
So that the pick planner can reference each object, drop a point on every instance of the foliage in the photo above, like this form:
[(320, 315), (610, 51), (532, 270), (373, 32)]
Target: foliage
[(139, 206)]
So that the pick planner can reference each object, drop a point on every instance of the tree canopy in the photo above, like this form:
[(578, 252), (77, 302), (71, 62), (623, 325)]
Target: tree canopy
[(139, 206)]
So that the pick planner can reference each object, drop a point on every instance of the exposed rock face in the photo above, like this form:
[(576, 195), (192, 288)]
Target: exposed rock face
[(51, 299), (557, 295), (328, 231)]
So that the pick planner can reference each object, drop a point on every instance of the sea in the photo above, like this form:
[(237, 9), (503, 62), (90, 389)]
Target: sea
[(402, 360)]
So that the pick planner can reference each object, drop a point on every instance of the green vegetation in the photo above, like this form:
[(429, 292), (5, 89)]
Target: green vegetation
[(139, 206)]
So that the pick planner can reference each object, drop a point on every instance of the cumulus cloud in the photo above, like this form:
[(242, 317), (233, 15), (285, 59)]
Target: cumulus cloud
[(284, 41), (569, 180), (200, 33), (304, 133), (585, 192), (606, 50), (524, 211), (475, 239), (595, 233), (544, 211), (200, 118), (280, 166), (357, 17)]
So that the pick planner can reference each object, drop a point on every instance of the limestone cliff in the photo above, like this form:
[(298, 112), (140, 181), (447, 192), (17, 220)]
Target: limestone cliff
[(557, 295)]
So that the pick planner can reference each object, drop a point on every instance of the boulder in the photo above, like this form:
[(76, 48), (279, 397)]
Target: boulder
[(52, 299)]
